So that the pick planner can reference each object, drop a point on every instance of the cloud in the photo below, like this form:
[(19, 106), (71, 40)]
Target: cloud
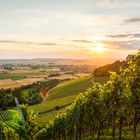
[(110, 3), (129, 45), (82, 41), (27, 42), (137, 35), (132, 21), (119, 45)]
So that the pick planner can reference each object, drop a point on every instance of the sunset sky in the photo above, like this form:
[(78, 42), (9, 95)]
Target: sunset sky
[(69, 28)]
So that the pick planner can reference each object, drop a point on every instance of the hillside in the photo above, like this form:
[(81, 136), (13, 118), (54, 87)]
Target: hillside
[(61, 96), (104, 112), (105, 70), (11, 118), (91, 109), (70, 88)]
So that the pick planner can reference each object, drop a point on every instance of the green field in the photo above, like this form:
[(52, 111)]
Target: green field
[(18, 76), (69, 88), (44, 119), (51, 104), (63, 94)]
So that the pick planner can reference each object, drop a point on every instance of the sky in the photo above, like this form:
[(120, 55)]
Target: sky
[(69, 28)]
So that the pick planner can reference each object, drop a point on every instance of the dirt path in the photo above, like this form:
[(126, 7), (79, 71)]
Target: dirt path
[(53, 110), (93, 82), (44, 93)]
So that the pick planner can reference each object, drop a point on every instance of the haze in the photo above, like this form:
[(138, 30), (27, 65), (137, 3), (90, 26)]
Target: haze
[(69, 28)]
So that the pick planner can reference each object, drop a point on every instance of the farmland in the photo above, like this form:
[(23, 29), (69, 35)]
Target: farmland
[(18, 76), (11, 118), (51, 104), (70, 70), (63, 89), (61, 95), (9, 83), (70, 88), (22, 77)]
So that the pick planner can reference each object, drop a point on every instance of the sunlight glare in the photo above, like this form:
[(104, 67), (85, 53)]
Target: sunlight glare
[(100, 47)]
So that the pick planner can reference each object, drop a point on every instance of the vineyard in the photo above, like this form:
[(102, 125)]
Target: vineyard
[(69, 69), (89, 108), (61, 96), (10, 119), (109, 111)]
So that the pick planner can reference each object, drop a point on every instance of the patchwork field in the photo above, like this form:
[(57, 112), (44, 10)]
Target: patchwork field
[(28, 81), (69, 76), (59, 97), (62, 77), (13, 80), (9, 83), (19, 76)]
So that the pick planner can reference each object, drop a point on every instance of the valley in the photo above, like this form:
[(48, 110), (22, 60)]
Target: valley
[(47, 95), (25, 83)]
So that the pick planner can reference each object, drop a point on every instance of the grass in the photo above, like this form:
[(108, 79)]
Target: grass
[(127, 134), (61, 95), (48, 118), (69, 88), (51, 104)]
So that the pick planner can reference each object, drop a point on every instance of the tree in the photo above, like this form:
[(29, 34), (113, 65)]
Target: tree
[(114, 98), (135, 91), (29, 128)]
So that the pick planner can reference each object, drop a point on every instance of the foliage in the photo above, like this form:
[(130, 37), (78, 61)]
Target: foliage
[(103, 109), (29, 94), (104, 71), (30, 127)]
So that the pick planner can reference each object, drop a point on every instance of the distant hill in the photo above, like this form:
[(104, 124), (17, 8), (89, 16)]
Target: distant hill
[(105, 70), (96, 62)]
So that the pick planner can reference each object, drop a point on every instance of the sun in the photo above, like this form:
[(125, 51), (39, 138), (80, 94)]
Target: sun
[(100, 48), (97, 44)]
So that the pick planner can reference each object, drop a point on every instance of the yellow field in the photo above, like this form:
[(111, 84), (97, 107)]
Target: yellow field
[(9, 83), (69, 76), (64, 76)]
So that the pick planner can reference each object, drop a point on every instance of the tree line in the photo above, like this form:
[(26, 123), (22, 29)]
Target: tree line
[(105, 70), (33, 96)]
